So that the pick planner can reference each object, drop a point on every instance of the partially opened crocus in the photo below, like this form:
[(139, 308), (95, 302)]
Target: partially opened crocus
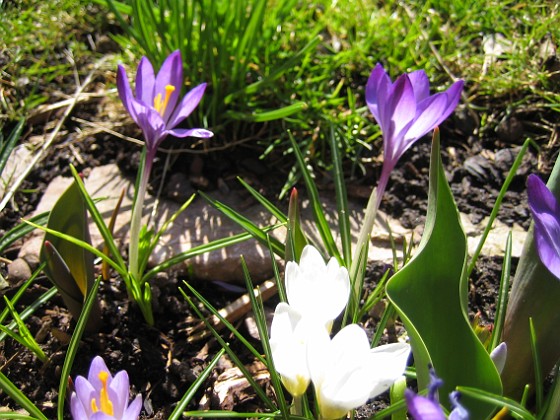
[(546, 216), (428, 408), (315, 289), (405, 112), (157, 109), (102, 396), (346, 371)]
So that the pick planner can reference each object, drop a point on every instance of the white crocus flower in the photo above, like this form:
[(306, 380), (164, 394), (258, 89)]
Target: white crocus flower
[(315, 289), (289, 335), (346, 372)]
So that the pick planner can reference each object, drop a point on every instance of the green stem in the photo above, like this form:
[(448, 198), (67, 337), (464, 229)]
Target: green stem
[(297, 406), (136, 218)]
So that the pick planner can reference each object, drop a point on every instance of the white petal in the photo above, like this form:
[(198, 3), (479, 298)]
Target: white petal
[(499, 356)]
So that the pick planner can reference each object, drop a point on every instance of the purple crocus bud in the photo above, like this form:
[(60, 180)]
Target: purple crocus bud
[(156, 107), (102, 396), (546, 216), (405, 110), (428, 408)]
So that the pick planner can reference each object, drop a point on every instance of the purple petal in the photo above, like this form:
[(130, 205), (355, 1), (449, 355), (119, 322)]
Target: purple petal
[(546, 215), (152, 126), (171, 73), (125, 92), (376, 90), (453, 96), (133, 409), (187, 105), (118, 393), (77, 408), (422, 408), (85, 392), (191, 132), (420, 84), (145, 82), (397, 115), (97, 365), (459, 412), (428, 114)]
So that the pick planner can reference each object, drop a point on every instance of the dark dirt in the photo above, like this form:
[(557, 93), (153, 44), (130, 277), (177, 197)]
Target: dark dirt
[(160, 360)]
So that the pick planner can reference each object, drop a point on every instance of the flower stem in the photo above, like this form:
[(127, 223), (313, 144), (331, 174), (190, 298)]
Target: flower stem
[(356, 277), (297, 406), (136, 218)]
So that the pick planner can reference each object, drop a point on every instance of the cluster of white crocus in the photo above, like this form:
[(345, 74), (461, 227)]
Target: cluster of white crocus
[(344, 370)]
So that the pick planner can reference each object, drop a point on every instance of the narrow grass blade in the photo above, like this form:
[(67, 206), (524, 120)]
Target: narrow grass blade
[(184, 401), (28, 311), (20, 230), (267, 204), (256, 387), (15, 393), (202, 249), (100, 223), (341, 201), (260, 317), (8, 146), (254, 230), (496, 400), (21, 291), (111, 227), (322, 224), (553, 405), (537, 366), (74, 345), (503, 293), (498, 204)]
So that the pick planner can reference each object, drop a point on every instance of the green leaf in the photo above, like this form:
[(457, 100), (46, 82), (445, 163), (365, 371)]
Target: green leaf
[(430, 295), (69, 266), (295, 241)]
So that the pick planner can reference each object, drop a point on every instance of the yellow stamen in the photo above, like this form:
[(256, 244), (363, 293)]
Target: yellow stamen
[(159, 104), (105, 402)]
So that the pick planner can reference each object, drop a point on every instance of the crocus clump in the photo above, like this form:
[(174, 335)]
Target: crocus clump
[(546, 217), (102, 396), (428, 408), (345, 371)]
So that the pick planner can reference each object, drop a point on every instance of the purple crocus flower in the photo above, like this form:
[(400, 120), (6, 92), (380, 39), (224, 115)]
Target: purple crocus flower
[(428, 408), (405, 112), (156, 107), (102, 396), (546, 216)]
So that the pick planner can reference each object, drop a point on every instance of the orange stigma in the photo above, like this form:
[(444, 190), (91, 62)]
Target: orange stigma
[(104, 401), (161, 104)]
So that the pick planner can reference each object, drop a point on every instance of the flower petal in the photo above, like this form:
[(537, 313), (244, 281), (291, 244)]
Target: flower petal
[(288, 342), (422, 408), (85, 392), (133, 410), (97, 365), (77, 408), (376, 90), (499, 356), (125, 92), (118, 393), (145, 82), (200, 133), (420, 84), (546, 216), (428, 115), (187, 105), (171, 73)]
